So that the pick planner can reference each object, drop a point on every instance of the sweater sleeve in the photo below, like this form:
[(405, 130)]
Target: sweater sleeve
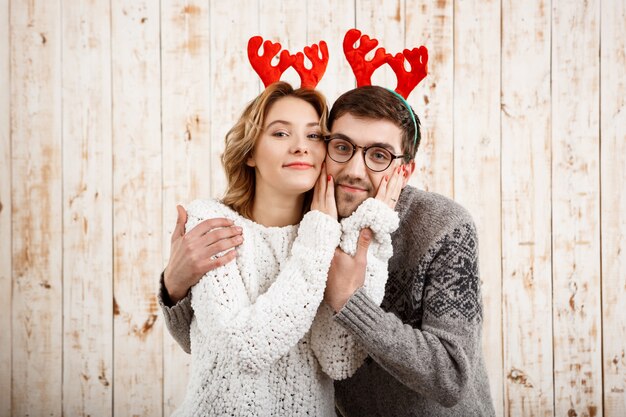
[(337, 350), (257, 334), (437, 359), (177, 317)]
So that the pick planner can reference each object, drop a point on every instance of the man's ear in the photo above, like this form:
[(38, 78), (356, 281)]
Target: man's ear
[(408, 171)]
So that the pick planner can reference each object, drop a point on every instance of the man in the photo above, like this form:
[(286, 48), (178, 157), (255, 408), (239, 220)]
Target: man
[(424, 341)]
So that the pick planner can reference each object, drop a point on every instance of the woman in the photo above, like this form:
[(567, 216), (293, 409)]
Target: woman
[(250, 338)]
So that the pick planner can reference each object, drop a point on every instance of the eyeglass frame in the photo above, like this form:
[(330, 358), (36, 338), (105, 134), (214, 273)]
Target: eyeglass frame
[(329, 138)]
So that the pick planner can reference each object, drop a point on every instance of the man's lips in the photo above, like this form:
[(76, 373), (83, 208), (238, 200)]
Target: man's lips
[(351, 189), (299, 165)]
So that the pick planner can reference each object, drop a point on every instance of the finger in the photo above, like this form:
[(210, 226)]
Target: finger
[(207, 225), (181, 220), (365, 238), (222, 245), (382, 188), (330, 191), (216, 235), (324, 185), (317, 188), (394, 187), (221, 261)]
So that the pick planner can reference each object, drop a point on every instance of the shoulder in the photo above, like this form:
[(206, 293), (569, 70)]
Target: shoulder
[(200, 210), (426, 218)]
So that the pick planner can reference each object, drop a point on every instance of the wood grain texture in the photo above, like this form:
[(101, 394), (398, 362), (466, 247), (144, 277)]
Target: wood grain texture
[(477, 149), (137, 205), (87, 205), (37, 341), (5, 212), (576, 208), (526, 210), (430, 24), (233, 81), (335, 18), (185, 104), (613, 178)]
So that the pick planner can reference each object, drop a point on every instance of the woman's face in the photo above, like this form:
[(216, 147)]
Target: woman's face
[(289, 153)]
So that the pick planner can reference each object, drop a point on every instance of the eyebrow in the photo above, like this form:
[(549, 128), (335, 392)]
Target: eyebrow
[(284, 122), (379, 144)]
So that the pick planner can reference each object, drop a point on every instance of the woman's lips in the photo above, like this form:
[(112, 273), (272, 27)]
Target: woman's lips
[(299, 166)]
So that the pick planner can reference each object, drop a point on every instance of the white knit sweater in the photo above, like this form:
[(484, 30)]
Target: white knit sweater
[(253, 350)]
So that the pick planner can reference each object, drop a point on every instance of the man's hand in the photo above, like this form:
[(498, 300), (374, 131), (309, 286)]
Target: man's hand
[(191, 254), (347, 274)]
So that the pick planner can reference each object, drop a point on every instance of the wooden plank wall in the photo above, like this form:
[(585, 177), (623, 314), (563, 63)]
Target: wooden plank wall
[(113, 112)]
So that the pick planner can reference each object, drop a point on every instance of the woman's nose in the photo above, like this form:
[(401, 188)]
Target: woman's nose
[(299, 144)]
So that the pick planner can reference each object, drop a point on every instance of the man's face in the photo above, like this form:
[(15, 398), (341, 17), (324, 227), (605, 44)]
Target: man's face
[(354, 182)]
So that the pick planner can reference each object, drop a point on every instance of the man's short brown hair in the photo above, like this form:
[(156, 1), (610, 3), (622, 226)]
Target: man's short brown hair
[(373, 102)]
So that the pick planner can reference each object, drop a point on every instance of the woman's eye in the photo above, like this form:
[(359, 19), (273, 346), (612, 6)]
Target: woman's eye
[(280, 134), (315, 136)]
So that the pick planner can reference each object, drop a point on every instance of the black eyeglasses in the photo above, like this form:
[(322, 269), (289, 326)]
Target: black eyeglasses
[(376, 158)]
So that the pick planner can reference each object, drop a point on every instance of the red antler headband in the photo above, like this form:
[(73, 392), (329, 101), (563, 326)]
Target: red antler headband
[(363, 69), (270, 74)]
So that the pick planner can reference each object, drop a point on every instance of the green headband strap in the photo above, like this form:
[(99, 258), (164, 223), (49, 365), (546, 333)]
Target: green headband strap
[(408, 106)]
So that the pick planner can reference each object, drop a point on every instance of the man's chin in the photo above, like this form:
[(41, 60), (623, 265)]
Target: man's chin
[(346, 205)]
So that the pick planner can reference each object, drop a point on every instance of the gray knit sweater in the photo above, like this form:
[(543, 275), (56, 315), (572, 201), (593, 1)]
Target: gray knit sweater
[(424, 341)]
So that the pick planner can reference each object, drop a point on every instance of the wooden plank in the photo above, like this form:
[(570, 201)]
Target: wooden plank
[(5, 213), (613, 178), (576, 208), (477, 146), (185, 104), (35, 73), (431, 24), (87, 204), (386, 22), (230, 71), (137, 220), (338, 17), (526, 211)]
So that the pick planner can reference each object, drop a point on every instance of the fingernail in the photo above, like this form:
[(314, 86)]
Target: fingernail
[(386, 178), (328, 178)]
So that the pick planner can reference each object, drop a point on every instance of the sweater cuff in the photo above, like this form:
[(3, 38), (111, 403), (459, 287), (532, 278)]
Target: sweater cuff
[(174, 313), (360, 315)]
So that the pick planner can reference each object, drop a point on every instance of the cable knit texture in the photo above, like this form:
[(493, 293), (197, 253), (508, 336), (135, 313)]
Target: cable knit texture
[(337, 350)]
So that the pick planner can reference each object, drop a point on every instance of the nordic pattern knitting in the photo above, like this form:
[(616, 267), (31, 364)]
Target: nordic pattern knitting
[(338, 352), (250, 336)]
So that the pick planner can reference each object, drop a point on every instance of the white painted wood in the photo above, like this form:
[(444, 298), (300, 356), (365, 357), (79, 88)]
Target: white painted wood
[(332, 21), (37, 343), (233, 81), (384, 21), (5, 213), (526, 209), (477, 148), (613, 178), (185, 104), (87, 204), (137, 205), (576, 208), (431, 24)]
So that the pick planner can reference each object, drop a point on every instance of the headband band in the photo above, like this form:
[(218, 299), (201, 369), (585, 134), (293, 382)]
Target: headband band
[(408, 107)]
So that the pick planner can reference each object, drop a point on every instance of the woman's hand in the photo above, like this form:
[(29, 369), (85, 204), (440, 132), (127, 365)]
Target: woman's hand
[(324, 194), (193, 254), (389, 189)]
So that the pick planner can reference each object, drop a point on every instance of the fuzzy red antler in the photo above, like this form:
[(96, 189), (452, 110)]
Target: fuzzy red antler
[(362, 68), (310, 77), (262, 64), (407, 81)]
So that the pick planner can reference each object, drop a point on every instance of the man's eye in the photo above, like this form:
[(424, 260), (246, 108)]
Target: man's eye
[(379, 156), (341, 148)]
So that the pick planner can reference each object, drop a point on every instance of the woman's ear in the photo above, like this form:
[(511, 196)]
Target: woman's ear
[(250, 161)]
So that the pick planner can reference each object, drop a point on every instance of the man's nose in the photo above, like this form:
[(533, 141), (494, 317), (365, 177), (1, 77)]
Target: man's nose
[(355, 167)]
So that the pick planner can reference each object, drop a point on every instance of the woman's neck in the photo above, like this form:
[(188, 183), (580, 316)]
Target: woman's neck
[(274, 209)]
